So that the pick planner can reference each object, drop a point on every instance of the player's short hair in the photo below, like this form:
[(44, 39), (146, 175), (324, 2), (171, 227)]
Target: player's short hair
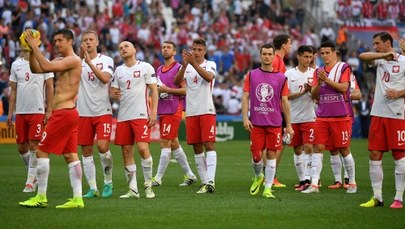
[(304, 48), (90, 31), (267, 46), (66, 33), (384, 36), (314, 49), (199, 41), (279, 40), (328, 44), (172, 43)]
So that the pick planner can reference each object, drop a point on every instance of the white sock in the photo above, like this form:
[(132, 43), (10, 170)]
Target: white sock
[(130, 174), (269, 172), (107, 165), (26, 158), (307, 167), (75, 174), (32, 168), (316, 167), (376, 177), (90, 171), (399, 179), (147, 170), (350, 167), (165, 154), (211, 165), (42, 175), (336, 166), (201, 164), (345, 175), (299, 166), (181, 158), (258, 167)]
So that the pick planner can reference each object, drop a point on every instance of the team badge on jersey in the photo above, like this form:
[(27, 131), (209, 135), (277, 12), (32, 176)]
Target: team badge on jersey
[(264, 92), (99, 66), (137, 74), (395, 69)]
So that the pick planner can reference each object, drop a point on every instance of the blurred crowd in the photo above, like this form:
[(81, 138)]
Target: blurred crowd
[(364, 12), (233, 29)]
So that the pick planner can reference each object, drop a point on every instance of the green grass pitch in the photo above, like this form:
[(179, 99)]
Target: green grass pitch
[(231, 206)]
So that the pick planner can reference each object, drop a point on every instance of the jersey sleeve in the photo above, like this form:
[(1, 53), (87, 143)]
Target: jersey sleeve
[(13, 75), (150, 75), (285, 91), (108, 65), (49, 75), (246, 84), (346, 75), (276, 64), (211, 67), (315, 78)]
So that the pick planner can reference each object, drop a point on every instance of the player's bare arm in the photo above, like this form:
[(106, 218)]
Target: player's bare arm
[(104, 77), (247, 124), (11, 101), (174, 91), (317, 87), (115, 93), (402, 45), (58, 65), (355, 94), (295, 95), (340, 87), (180, 74), (394, 94), (49, 90), (154, 94), (370, 57), (287, 114), (207, 76)]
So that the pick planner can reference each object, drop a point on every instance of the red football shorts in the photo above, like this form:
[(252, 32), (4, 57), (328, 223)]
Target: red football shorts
[(201, 128), (265, 137), (60, 134), (169, 124), (303, 134), (386, 134), (336, 133), (131, 131), (90, 126), (29, 127)]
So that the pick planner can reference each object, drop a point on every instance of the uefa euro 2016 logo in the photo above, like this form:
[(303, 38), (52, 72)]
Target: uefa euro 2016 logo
[(264, 92)]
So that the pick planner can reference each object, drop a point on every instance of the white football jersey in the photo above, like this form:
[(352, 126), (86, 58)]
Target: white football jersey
[(93, 99), (133, 81), (30, 97), (390, 74), (199, 92), (303, 107)]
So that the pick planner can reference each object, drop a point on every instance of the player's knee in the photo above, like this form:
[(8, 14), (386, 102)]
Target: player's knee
[(398, 155), (209, 146), (256, 156), (103, 148), (376, 155)]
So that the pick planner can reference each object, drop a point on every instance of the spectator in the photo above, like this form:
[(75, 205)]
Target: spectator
[(327, 33)]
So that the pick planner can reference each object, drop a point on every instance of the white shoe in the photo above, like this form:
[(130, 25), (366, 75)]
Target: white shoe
[(311, 189), (130, 194), (149, 192), (352, 188), (156, 182), (188, 181)]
